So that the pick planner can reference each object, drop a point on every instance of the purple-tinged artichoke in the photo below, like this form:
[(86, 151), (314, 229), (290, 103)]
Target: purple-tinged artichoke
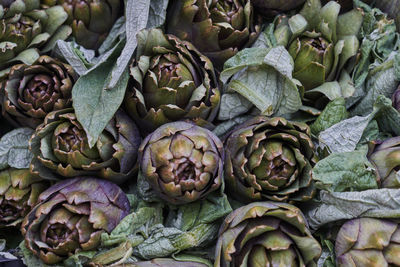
[(61, 145), (170, 81), (19, 192), (385, 156), (269, 159), (266, 234), (30, 92), (368, 242), (182, 162), (217, 28), (25, 27), (91, 20), (396, 99), (71, 216)]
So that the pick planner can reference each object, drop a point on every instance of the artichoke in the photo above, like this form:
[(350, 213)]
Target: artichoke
[(60, 144), (90, 207), (320, 41), (396, 99), (24, 26), (91, 20), (182, 162), (266, 234), (368, 242), (19, 192), (218, 28), (31, 92), (170, 81), (385, 156), (269, 158), (270, 8)]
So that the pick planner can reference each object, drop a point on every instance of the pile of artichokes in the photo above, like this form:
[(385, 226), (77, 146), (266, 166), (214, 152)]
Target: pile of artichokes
[(199, 133)]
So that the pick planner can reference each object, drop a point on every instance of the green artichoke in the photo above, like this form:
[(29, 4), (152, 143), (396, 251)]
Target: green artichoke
[(19, 192), (266, 234), (170, 81), (218, 28), (91, 20), (71, 216), (385, 156), (270, 8), (165, 262), (271, 159), (182, 162), (24, 26), (60, 145), (31, 92), (368, 242), (320, 41)]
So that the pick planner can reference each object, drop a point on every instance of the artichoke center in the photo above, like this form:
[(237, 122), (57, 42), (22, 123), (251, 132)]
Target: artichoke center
[(185, 170), (72, 139), (59, 233), (40, 90), (276, 166), (7, 209)]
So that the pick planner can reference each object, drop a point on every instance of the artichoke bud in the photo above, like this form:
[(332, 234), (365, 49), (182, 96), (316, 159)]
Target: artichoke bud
[(386, 158), (33, 91), (269, 159), (182, 162), (396, 99), (313, 60), (368, 242), (71, 217), (266, 234), (113, 157), (19, 193)]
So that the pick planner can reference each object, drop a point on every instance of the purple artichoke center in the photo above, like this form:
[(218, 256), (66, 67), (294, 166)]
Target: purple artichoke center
[(72, 139), (185, 170), (41, 92), (60, 233), (10, 211)]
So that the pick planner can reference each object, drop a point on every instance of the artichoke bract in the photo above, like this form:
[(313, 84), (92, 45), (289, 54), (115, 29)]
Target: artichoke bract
[(71, 216), (182, 162), (25, 26), (30, 92), (170, 81), (368, 242), (320, 41), (270, 8), (385, 156), (218, 28), (269, 159), (60, 145), (19, 193), (266, 234), (91, 20)]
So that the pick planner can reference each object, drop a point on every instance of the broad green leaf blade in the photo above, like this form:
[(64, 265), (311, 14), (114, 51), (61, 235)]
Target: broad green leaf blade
[(14, 149), (137, 12), (95, 106), (348, 171), (337, 206)]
